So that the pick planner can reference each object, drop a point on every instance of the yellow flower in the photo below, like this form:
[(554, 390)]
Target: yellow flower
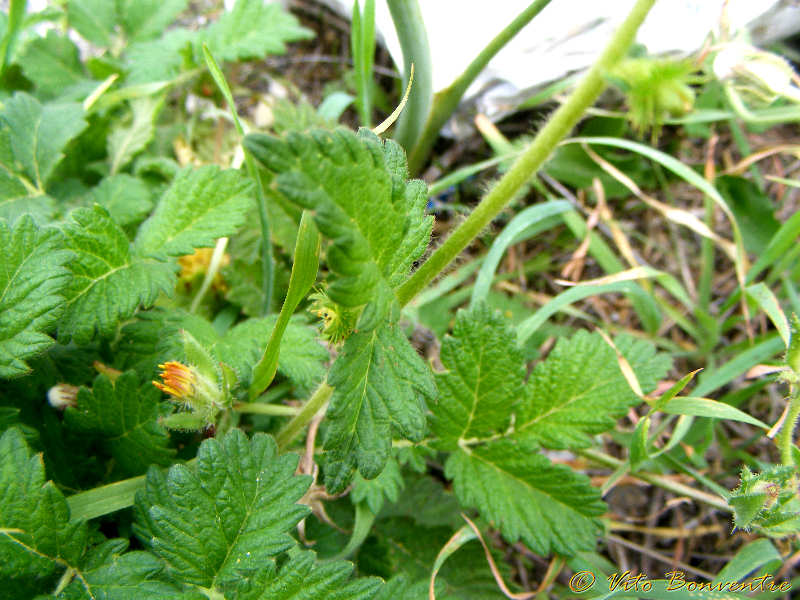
[(179, 380)]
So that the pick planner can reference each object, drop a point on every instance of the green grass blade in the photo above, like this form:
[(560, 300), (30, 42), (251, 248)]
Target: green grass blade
[(304, 273), (523, 223)]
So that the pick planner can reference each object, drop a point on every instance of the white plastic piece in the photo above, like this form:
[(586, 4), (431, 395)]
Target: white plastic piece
[(565, 37)]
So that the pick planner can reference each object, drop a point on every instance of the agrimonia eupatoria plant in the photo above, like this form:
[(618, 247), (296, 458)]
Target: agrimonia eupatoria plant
[(198, 444)]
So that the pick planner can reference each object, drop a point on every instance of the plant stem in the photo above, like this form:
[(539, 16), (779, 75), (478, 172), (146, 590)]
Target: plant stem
[(267, 270), (785, 437), (410, 28), (662, 482), (260, 408), (446, 101), (317, 401), (557, 127)]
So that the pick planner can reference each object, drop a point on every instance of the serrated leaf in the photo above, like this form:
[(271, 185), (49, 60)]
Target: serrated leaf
[(144, 19), (387, 486), (125, 415), (127, 199), (201, 205), (158, 60), (93, 19), (253, 29), (484, 378), (304, 578), (579, 390), (767, 501), (38, 134), (33, 281), (38, 540), (17, 195), (52, 63), (155, 338), (550, 507), (108, 281), (381, 385), (108, 574), (356, 186), (228, 514), (126, 140)]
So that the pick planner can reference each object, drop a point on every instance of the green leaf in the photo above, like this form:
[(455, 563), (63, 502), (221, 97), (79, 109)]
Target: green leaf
[(705, 407), (304, 273), (398, 547), (579, 390), (158, 60), (145, 19), (225, 515), (753, 210), (108, 281), (126, 140), (484, 379), (253, 29), (381, 385), (767, 501), (32, 284), (356, 187), (550, 507), (108, 574), (201, 205), (373, 491), (38, 134), (17, 195), (38, 540), (127, 199), (125, 415), (52, 63), (303, 578), (93, 19)]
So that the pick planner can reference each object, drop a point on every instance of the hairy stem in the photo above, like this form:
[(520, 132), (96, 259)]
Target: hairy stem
[(293, 428), (557, 127), (786, 435), (261, 408), (446, 101)]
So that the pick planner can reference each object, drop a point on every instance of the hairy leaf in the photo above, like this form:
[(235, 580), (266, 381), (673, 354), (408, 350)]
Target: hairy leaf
[(155, 338), (373, 491), (108, 281), (33, 281), (579, 390), (18, 196), (550, 507), (93, 19), (253, 29), (127, 199), (125, 414), (381, 384), (227, 514), (484, 378), (38, 540), (108, 574), (158, 60), (52, 63), (303, 578), (38, 134), (356, 187), (145, 19), (126, 140), (201, 205)]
